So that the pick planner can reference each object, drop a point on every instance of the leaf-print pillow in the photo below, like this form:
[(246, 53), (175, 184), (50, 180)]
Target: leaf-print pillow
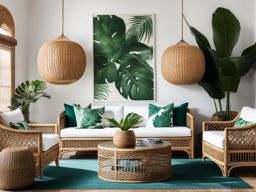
[(160, 116), (89, 118)]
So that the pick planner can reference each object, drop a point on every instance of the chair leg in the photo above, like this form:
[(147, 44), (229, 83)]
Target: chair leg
[(41, 173), (57, 162), (204, 158), (225, 171)]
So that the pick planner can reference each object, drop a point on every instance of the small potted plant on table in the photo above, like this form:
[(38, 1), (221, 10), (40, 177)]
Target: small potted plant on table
[(125, 138)]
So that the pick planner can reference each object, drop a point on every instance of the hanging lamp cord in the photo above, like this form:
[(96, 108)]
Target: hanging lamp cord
[(62, 24), (182, 15)]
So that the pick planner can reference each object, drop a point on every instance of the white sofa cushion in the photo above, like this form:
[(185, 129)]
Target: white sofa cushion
[(141, 110), (49, 140), (215, 138), (139, 132), (248, 114), (162, 132), (14, 116), (74, 132)]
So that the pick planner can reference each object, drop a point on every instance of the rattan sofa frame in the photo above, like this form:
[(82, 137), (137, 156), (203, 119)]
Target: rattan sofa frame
[(33, 139), (185, 144), (239, 147)]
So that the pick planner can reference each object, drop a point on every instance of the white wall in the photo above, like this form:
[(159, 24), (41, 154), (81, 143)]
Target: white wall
[(45, 23), (19, 11)]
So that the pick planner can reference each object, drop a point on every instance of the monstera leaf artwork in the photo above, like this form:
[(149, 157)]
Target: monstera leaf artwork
[(123, 57)]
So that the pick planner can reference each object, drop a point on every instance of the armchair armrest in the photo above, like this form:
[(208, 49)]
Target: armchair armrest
[(241, 138), (45, 128), (190, 121), (61, 121), (218, 125), (13, 137)]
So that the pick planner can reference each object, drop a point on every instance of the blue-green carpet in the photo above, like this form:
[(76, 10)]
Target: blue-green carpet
[(186, 174)]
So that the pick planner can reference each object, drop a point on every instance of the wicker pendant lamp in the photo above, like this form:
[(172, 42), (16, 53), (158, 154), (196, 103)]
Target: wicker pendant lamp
[(183, 64), (61, 61)]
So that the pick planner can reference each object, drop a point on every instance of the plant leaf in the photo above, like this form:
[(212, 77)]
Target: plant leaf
[(135, 79), (226, 31), (210, 81), (129, 121), (140, 27), (247, 59), (108, 35), (230, 83), (101, 91)]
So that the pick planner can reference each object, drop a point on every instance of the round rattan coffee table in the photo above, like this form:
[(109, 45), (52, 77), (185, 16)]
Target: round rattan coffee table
[(140, 164)]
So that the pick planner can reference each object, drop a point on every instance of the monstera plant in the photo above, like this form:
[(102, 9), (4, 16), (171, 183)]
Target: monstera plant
[(121, 57), (26, 93), (223, 70)]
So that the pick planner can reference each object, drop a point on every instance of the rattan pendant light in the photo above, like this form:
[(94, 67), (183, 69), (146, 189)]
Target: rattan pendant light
[(61, 61), (183, 64)]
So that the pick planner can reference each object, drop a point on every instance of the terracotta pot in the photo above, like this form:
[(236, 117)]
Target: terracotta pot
[(124, 139), (216, 118)]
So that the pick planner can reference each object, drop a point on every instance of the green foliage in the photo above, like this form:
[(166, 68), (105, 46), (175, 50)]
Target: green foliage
[(223, 72), (121, 58), (127, 122), (162, 121), (26, 93), (101, 91), (140, 27), (226, 31), (91, 118)]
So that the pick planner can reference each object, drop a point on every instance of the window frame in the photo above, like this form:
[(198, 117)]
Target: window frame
[(7, 42)]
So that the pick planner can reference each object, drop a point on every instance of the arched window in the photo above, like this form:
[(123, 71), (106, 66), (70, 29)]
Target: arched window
[(7, 58)]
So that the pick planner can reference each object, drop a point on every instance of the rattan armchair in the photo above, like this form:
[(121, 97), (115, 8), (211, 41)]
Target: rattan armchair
[(33, 139), (239, 145)]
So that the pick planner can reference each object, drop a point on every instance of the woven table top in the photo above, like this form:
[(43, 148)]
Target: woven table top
[(111, 146)]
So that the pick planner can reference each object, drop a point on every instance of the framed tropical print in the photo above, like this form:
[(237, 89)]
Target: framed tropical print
[(123, 57)]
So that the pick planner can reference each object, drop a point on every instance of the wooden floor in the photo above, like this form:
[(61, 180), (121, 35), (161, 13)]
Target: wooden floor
[(247, 174)]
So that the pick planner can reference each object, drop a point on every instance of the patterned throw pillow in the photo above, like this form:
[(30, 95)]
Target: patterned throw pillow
[(241, 122), (89, 118), (23, 125), (160, 116)]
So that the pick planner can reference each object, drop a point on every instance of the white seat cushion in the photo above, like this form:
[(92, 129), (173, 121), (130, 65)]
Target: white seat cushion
[(215, 138), (49, 140), (75, 132), (162, 132), (248, 114), (139, 132), (14, 116)]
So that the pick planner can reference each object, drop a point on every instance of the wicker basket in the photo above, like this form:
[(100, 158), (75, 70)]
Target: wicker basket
[(17, 168)]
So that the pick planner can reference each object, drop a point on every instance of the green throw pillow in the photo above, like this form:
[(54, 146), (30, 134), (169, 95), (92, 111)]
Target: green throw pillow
[(180, 115), (89, 118), (23, 125), (160, 116), (71, 116), (241, 122)]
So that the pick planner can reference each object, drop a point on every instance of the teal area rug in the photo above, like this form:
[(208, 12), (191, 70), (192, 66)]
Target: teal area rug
[(186, 174)]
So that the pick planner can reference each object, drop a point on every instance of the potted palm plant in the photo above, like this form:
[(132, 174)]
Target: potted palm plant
[(223, 71), (125, 138), (26, 93)]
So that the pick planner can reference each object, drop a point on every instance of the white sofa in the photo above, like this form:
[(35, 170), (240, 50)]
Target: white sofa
[(74, 139)]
